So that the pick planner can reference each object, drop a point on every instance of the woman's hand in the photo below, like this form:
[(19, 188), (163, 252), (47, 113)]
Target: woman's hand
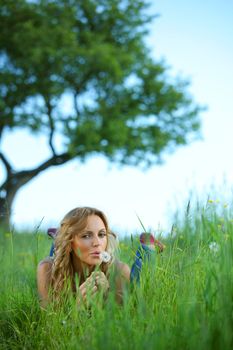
[(101, 281), (87, 288), (97, 281)]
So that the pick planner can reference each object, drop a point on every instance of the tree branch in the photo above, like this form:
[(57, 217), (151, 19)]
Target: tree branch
[(53, 161), (1, 131), (51, 124), (16, 180), (6, 163), (76, 103)]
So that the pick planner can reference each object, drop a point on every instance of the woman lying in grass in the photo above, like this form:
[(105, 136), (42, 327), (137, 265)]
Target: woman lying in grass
[(83, 261)]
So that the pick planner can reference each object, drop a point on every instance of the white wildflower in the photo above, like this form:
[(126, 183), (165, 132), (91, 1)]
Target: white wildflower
[(105, 257), (214, 247)]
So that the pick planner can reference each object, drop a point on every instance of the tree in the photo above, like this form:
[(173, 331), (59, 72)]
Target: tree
[(125, 105)]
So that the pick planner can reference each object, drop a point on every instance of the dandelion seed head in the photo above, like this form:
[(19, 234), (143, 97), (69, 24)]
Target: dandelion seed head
[(105, 257)]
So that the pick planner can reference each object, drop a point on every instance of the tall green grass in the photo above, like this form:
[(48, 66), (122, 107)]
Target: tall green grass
[(184, 301)]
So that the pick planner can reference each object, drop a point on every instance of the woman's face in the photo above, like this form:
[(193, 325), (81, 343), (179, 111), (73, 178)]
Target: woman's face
[(88, 244)]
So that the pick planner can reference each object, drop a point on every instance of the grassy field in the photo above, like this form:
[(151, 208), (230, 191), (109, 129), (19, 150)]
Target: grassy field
[(184, 300)]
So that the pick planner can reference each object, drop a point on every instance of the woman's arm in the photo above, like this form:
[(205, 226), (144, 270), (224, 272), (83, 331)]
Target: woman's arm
[(43, 282), (122, 280)]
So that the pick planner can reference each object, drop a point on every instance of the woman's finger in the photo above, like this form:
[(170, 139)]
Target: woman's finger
[(94, 290)]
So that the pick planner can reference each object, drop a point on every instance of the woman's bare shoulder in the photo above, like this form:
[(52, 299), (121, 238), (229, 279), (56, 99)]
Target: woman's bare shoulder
[(48, 260), (45, 265), (123, 269), (44, 279)]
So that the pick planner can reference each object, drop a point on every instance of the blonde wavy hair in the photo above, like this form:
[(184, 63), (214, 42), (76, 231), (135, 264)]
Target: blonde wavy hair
[(62, 273)]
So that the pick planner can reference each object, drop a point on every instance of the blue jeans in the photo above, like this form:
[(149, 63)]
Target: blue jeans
[(143, 254)]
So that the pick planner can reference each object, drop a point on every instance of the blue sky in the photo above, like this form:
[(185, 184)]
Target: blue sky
[(195, 39)]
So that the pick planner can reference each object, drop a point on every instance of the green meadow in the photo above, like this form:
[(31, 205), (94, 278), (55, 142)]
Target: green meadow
[(184, 300)]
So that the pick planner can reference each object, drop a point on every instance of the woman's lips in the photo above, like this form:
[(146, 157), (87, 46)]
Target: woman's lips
[(95, 254)]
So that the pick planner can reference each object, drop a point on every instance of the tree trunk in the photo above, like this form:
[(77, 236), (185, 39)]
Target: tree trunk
[(16, 180), (6, 201)]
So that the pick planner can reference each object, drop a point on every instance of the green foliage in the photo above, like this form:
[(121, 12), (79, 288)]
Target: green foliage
[(184, 300), (124, 104), (91, 54)]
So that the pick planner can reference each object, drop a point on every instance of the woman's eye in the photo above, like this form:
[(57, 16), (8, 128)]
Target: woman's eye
[(102, 234), (86, 236)]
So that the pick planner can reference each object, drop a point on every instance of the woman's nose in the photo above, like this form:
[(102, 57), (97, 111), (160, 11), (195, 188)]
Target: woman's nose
[(96, 241)]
